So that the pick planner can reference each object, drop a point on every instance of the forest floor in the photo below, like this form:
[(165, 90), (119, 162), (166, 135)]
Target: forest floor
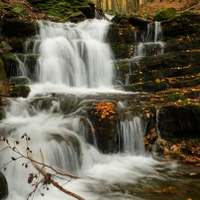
[(150, 8)]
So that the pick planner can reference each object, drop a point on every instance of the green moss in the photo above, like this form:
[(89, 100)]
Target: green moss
[(165, 14), (9, 56)]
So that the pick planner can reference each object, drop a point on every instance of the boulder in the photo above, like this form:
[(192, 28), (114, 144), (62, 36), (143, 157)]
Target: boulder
[(17, 27), (179, 122)]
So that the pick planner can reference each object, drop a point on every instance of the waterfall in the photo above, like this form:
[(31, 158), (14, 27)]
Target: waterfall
[(72, 57), (75, 55)]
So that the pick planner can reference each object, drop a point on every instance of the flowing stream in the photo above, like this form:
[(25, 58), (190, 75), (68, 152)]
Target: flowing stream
[(75, 59)]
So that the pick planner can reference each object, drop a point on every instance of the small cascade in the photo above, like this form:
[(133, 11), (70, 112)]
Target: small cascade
[(151, 43), (130, 136)]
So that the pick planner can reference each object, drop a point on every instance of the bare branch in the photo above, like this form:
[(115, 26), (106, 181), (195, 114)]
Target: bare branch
[(48, 180), (48, 177)]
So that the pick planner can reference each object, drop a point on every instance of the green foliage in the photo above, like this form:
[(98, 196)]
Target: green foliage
[(165, 14), (18, 9)]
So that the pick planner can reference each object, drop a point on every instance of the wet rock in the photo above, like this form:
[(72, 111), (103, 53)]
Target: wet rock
[(24, 28), (136, 21), (88, 11)]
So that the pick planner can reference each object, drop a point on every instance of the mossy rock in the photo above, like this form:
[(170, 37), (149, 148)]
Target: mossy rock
[(20, 91), (3, 187), (165, 14)]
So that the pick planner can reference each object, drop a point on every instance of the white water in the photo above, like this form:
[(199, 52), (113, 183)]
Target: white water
[(72, 59), (76, 55), (131, 133)]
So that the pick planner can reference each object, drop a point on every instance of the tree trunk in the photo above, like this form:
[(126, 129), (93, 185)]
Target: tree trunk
[(107, 5), (113, 5), (98, 4)]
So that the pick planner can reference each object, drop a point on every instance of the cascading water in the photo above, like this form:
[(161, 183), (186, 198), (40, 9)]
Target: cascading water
[(73, 56), (131, 135), (151, 43)]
